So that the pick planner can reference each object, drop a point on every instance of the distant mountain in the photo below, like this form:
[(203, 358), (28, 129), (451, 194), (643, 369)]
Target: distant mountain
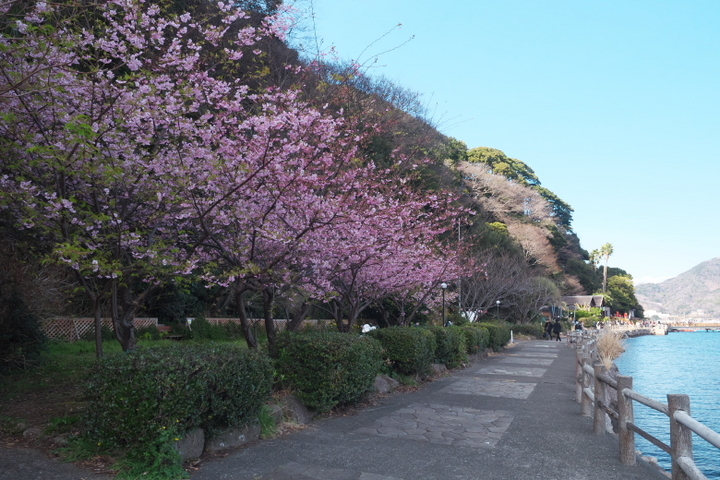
[(696, 289)]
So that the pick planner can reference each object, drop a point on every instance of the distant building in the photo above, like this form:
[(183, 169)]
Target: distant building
[(583, 301), (571, 303), (655, 314)]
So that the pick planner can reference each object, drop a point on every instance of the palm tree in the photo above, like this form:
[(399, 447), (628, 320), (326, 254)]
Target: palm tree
[(605, 252)]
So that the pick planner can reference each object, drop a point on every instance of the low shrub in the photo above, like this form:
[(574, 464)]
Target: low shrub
[(591, 322), (148, 333), (233, 331), (450, 348), (476, 339), (327, 368), (499, 334), (410, 350), (532, 329), (201, 329), (142, 401)]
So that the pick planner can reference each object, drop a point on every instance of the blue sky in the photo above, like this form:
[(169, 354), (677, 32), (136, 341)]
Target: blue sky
[(614, 103)]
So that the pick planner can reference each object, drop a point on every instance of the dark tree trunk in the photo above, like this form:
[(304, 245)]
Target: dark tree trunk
[(268, 296), (297, 317), (97, 315), (242, 314), (123, 319)]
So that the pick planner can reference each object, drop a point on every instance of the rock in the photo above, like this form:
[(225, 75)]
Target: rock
[(295, 410), (191, 445), (380, 385), (438, 368), (61, 441), (385, 384), (32, 432), (233, 438), (276, 411), (393, 383)]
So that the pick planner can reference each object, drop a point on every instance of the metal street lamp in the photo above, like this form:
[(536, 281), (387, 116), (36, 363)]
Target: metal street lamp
[(443, 287), (497, 302)]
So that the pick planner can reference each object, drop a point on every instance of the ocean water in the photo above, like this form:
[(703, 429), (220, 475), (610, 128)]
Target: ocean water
[(682, 362)]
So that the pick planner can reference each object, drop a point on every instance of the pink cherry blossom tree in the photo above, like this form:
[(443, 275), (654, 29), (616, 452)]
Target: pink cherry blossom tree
[(387, 245), (136, 165), (300, 170), (108, 123)]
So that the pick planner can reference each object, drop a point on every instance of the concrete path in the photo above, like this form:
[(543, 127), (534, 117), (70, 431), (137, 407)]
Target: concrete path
[(510, 416)]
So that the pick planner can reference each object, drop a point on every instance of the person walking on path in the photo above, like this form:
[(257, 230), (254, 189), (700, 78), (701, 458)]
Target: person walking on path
[(557, 328), (548, 329)]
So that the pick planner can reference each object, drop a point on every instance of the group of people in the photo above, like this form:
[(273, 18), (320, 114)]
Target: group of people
[(552, 329)]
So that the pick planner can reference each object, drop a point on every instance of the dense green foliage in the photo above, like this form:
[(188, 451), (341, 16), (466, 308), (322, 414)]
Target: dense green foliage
[(161, 393), (499, 334), (501, 164), (204, 330), (620, 295), (21, 337), (532, 329), (450, 346), (477, 339), (410, 351), (325, 369)]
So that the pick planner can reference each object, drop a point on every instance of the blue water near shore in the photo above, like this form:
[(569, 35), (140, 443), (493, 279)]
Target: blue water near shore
[(683, 362)]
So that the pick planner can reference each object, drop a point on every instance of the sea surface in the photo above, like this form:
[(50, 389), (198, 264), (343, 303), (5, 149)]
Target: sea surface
[(681, 362)]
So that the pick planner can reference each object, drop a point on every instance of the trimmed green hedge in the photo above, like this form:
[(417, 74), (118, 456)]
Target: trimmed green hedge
[(477, 339), (144, 400), (499, 334), (532, 329), (450, 346), (410, 350), (328, 368)]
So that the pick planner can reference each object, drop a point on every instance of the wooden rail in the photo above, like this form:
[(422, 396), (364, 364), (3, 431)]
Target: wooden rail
[(592, 392)]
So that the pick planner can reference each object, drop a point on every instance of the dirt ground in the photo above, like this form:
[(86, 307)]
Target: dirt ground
[(30, 421)]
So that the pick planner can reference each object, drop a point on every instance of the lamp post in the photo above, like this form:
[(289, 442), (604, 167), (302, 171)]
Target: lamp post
[(497, 302), (443, 287)]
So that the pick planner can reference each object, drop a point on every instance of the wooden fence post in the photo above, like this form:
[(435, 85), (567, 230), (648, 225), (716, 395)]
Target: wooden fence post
[(625, 415), (598, 411), (680, 436), (585, 405), (578, 375)]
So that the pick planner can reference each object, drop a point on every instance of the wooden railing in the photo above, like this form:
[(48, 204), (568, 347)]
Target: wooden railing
[(592, 392)]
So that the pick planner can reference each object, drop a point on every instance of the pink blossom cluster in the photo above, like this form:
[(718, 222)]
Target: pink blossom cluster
[(134, 162)]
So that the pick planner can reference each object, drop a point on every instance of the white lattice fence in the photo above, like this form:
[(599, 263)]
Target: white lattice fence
[(280, 323), (224, 321), (72, 329)]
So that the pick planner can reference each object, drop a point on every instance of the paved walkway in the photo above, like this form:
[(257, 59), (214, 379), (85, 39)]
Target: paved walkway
[(509, 416)]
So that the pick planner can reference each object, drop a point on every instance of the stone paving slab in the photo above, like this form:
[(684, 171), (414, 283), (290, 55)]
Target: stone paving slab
[(296, 471), (534, 355), (490, 388), (528, 361), (512, 370), (443, 424)]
